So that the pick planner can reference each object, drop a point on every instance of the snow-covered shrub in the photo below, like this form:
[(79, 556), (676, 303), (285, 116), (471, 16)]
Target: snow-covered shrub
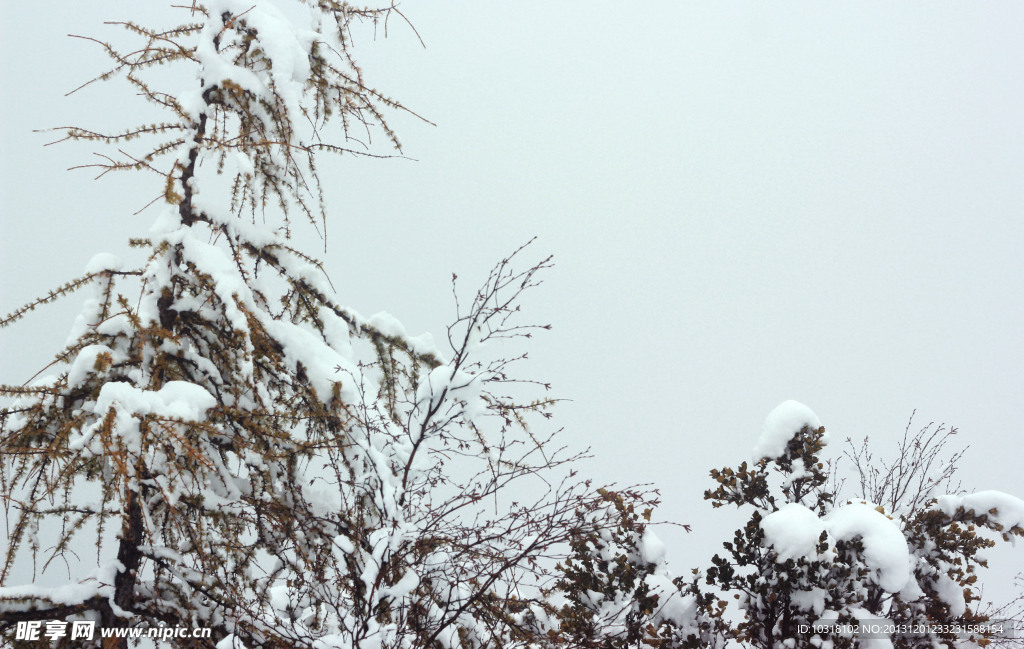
[(807, 561), (946, 534)]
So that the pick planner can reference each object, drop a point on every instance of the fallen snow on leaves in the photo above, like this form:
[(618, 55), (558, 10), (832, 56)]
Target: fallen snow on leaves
[(794, 531)]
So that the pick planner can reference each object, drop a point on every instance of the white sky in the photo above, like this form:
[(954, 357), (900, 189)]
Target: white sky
[(747, 202)]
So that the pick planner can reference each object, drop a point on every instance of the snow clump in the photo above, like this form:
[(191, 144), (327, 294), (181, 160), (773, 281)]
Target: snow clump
[(794, 531), (781, 425)]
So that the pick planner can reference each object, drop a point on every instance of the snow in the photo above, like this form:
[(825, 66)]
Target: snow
[(336, 332), (782, 423), (885, 547), (424, 345), (1004, 509), (286, 46), (176, 399), (672, 606), (279, 598), (217, 68), (403, 588), (387, 325), (951, 593), (652, 549), (103, 261), (433, 385), (66, 594), (344, 544), (799, 472), (98, 582), (320, 361), (794, 531), (244, 164), (217, 264), (168, 221), (912, 590), (82, 321), (812, 600), (445, 382), (85, 363)]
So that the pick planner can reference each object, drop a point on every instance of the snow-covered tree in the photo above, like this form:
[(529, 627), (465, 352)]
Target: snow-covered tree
[(222, 443), (805, 558)]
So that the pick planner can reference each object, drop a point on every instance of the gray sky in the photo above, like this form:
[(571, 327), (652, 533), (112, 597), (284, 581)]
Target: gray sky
[(747, 203)]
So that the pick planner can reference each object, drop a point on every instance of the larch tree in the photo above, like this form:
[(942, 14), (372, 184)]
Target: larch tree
[(223, 444)]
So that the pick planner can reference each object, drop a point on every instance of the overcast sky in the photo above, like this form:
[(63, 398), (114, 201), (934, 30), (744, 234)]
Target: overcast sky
[(747, 203)]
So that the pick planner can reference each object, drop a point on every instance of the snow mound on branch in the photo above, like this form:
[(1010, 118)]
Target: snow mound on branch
[(176, 399), (781, 425), (85, 363), (103, 261), (885, 547), (951, 593), (1001, 507), (652, 548), (388, 325), (96, 583), (673, 606), (794, 531)]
